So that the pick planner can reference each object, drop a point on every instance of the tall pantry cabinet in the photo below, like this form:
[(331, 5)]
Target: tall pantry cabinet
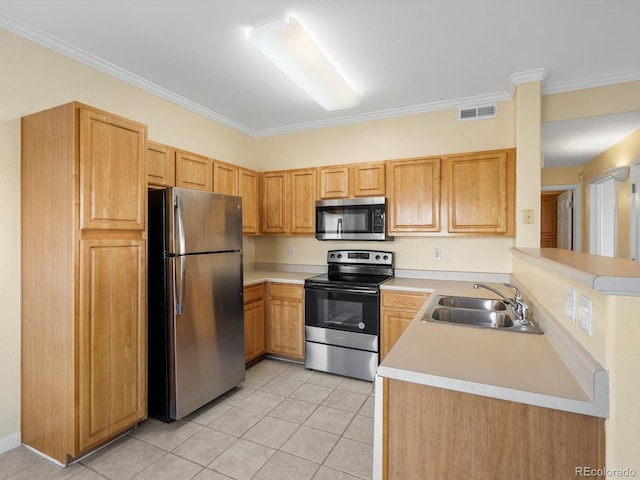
[(83, 278)]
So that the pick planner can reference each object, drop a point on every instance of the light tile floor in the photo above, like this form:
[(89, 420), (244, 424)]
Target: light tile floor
[(283, 423)]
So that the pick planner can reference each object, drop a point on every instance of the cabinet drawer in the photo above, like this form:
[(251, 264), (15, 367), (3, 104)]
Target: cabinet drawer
[(285, 290), (253, 293), (413, 300)]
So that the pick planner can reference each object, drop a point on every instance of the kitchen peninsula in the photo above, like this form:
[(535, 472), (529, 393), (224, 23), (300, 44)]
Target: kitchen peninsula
[(454, 401)]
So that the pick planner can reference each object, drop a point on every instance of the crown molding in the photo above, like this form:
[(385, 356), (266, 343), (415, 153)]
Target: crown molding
[(593, 82), (389, 113), (82, 56), (537, 75)]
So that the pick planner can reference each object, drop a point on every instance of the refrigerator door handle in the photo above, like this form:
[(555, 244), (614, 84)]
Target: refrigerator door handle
[(179, 215), (178, 283)]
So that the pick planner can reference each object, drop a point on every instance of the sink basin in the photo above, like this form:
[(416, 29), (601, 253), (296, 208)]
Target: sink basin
[(488, 304), (480, 318)]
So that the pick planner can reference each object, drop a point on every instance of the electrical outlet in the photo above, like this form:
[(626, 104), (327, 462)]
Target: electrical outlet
[(436, 254), (584, 314), (570, 303), (292, 251)]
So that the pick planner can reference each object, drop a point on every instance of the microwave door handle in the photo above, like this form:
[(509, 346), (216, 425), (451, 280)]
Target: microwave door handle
[(339, 227)]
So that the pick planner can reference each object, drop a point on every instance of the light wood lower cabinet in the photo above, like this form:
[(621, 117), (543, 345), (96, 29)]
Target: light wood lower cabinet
[(254, 322), (84, 184), (285, 333), (398, 309), (436, 433)]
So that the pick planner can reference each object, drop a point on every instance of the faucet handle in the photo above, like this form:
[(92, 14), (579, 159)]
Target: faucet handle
[(518, 295)]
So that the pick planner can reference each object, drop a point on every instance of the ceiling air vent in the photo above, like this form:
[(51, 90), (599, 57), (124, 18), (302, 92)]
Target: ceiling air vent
[(477, 113)]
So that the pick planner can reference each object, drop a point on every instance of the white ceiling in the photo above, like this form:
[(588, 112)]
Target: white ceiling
[(401, 56)]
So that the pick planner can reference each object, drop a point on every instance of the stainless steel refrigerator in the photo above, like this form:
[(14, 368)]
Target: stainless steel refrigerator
[(196, 320)]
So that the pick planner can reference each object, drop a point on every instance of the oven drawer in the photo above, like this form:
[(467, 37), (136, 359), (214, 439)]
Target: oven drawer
[(341, 338), (340, 360)]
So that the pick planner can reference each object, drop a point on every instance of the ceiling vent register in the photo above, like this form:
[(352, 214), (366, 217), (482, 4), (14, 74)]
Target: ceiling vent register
[(477, 113)]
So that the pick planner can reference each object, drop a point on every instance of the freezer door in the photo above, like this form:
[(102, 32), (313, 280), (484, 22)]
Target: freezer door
[(208, 336), (203, 222)]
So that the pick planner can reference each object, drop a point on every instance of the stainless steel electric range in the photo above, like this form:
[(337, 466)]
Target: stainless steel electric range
[(342, 313)]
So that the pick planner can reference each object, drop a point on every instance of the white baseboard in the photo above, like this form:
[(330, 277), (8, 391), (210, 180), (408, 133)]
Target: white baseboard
[(10, 442)]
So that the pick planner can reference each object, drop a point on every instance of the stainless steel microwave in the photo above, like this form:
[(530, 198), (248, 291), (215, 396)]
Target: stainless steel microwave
[(352, 219)]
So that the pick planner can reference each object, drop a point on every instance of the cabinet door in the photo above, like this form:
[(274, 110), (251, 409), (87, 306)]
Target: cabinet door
[(286, 328), (225, 178), (161, 165), (368, 180), (414, 195), (273, 214), (334, 182), (248, 190), (111, 339), (113, 172), (397, 311), (254, 324), (301, 201), (193, 171), (479, 192)]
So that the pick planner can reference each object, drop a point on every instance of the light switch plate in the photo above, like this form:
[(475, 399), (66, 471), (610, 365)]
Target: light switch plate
[(528, 216), (570, 303), (584, 314)]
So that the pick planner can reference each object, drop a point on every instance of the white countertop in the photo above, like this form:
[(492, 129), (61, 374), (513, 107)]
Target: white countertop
[(257, 276), (507, 365)]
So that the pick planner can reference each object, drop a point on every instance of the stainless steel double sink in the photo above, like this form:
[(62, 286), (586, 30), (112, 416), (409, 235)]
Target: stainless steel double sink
[(477, 312)]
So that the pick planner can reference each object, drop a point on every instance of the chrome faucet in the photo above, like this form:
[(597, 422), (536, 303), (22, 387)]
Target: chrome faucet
[(517, 303)]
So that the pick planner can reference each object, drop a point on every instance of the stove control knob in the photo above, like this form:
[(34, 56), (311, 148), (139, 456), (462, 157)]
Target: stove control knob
[(339, 255), (332, 255), (386, 257), (377, 257)]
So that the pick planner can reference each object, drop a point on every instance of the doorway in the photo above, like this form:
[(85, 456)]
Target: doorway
[(603, 217), (560, 217)]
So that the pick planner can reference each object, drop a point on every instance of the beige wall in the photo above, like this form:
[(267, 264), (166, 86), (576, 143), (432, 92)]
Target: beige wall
[(613, 342), (562, 176)]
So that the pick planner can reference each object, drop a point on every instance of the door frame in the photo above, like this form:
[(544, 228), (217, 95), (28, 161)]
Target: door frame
[(634, 211), (577, 210)]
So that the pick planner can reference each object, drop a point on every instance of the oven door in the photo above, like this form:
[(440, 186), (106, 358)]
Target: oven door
[(342, 308)]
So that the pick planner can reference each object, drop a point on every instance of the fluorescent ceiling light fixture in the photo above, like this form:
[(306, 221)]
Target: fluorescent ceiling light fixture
[(288, 46)]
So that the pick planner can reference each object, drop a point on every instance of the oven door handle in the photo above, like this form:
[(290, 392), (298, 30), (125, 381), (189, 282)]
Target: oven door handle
[(342, 290)]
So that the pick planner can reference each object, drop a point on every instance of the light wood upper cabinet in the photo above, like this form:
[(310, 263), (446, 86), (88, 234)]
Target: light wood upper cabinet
[(413, 188), (161, 165), (302, 195), (289, 201), (84, 308), (273, 202), (193, 171), (248, 190), (254, 322), (398, 309), (286, 320), (113, 166), (368, 180), (481, 192), (333, 182), (225, 178)]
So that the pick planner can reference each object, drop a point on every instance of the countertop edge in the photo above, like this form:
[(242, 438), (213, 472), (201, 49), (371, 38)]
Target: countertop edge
[(529, 398), (607, 284)]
